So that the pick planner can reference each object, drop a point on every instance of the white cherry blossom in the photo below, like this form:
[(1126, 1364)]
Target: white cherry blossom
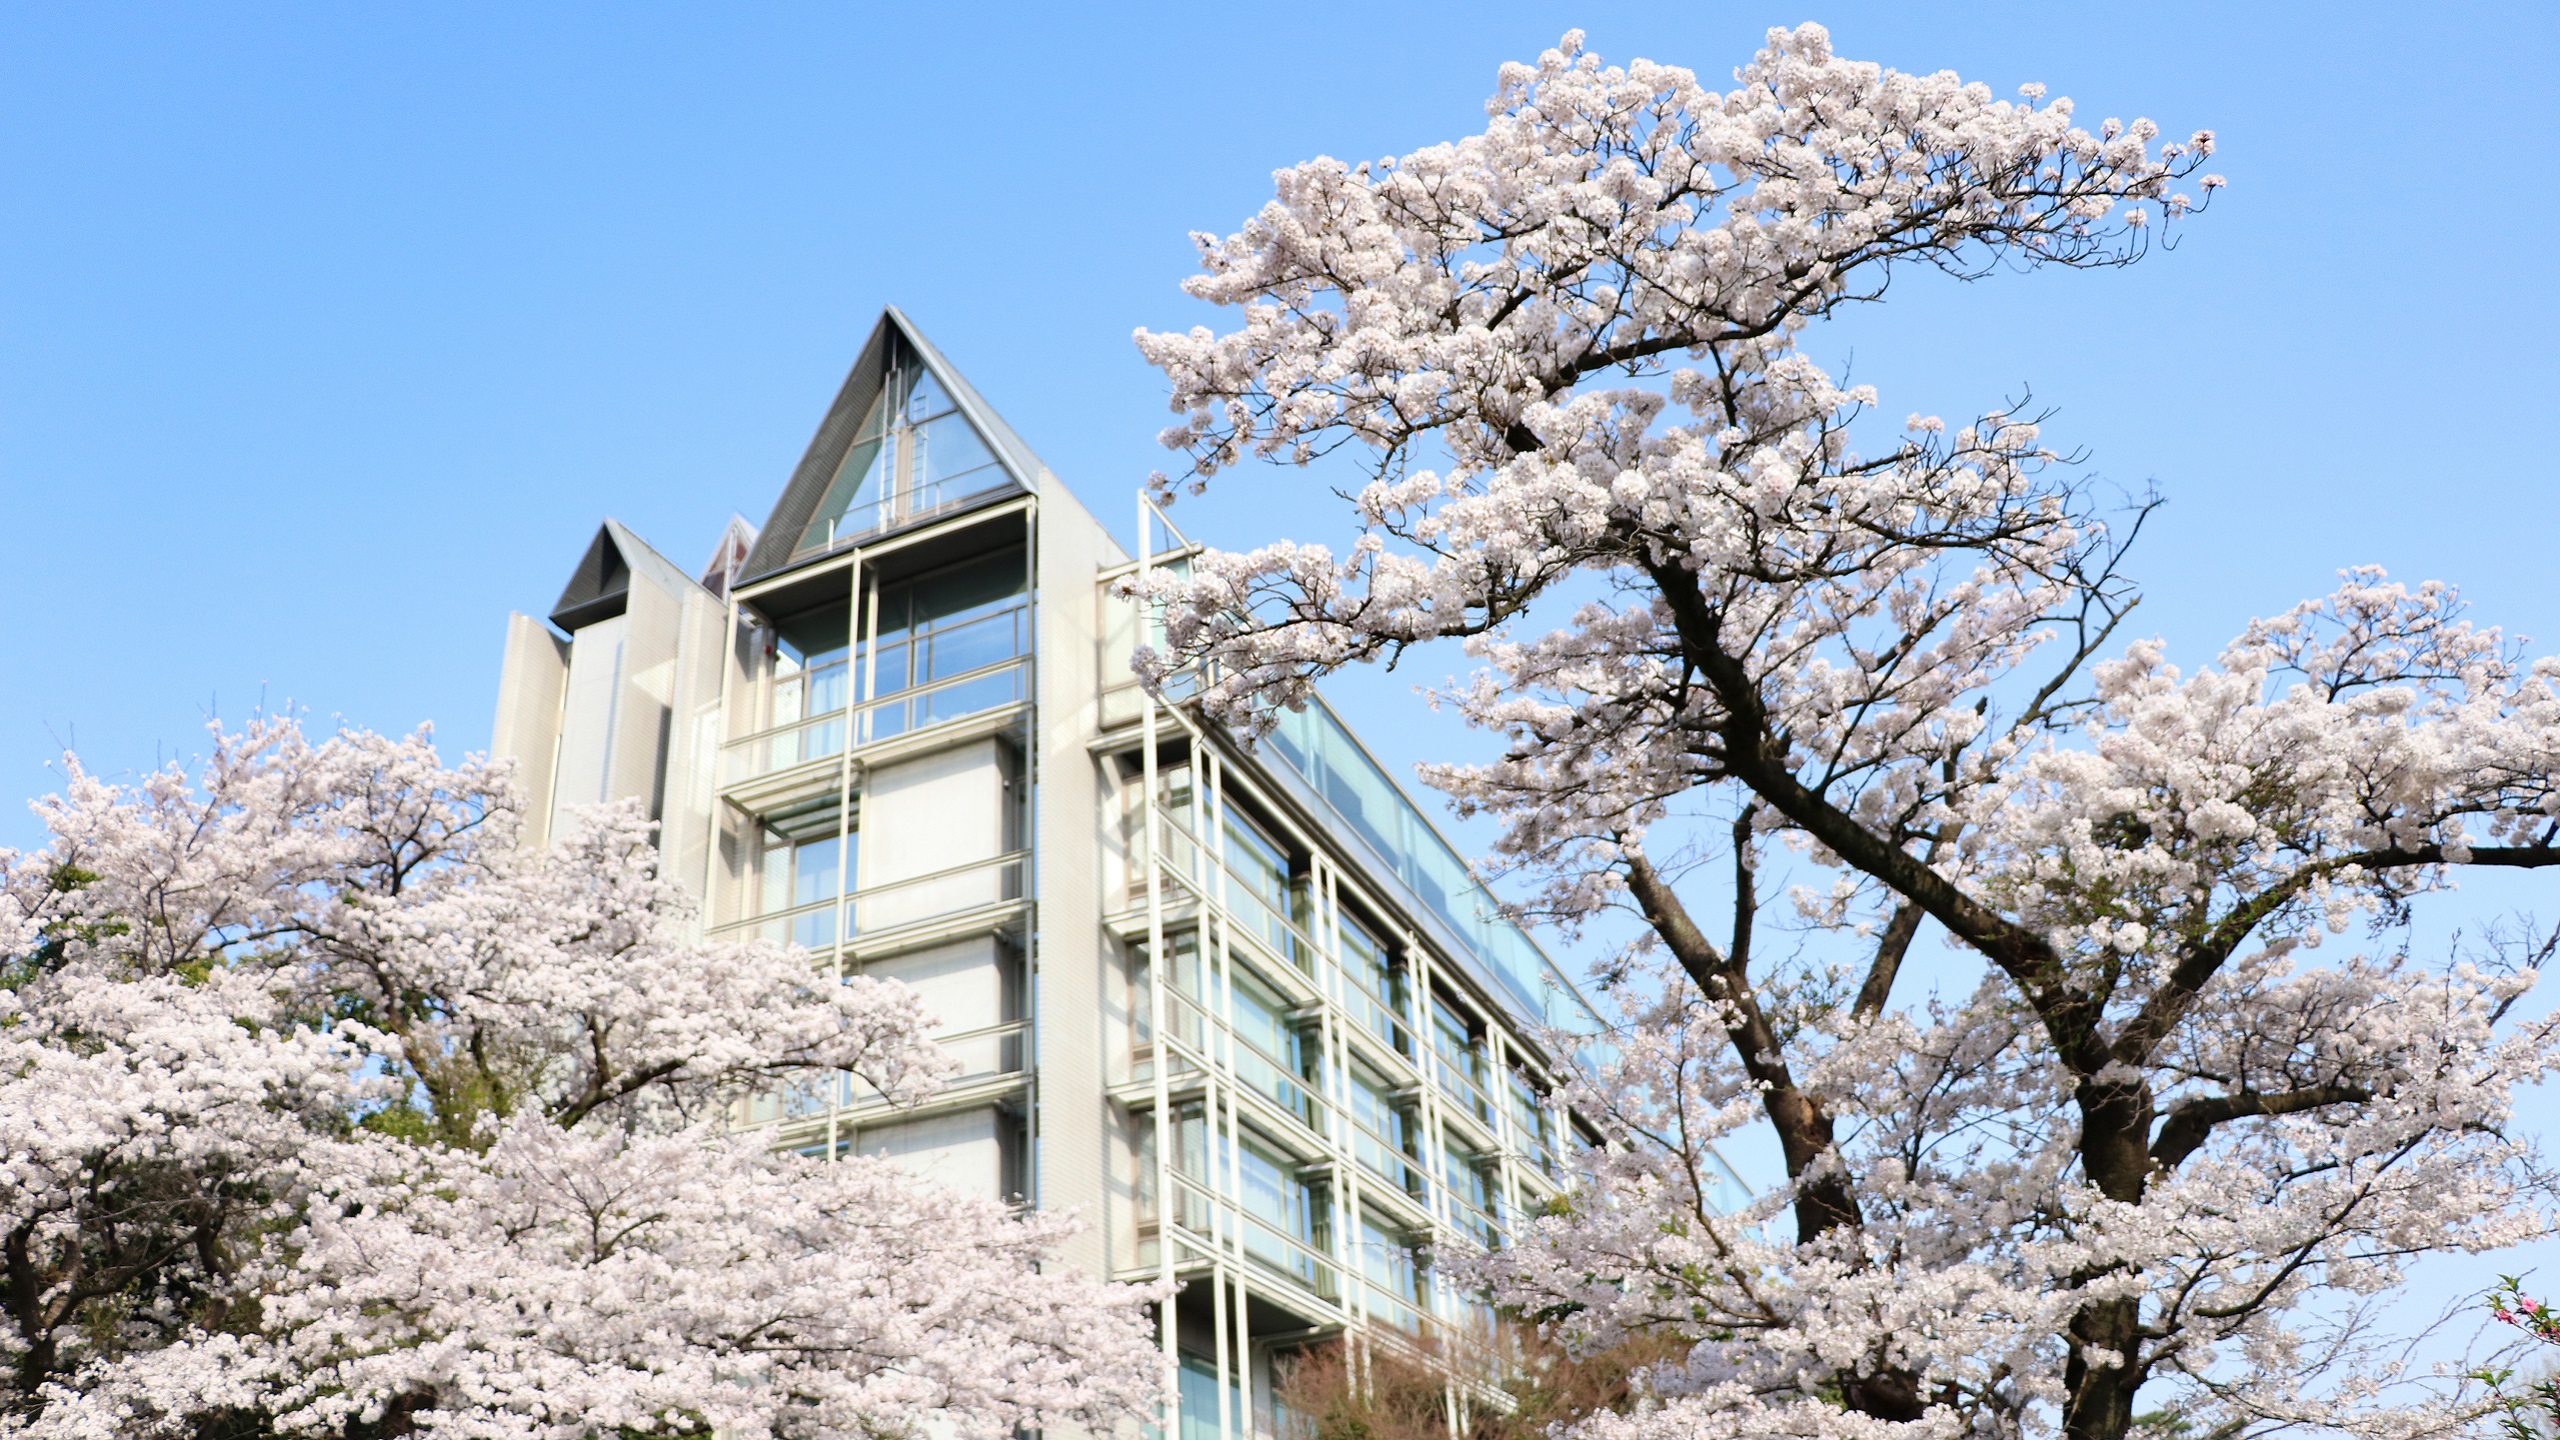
[(2171, 1153), (328, 1110)]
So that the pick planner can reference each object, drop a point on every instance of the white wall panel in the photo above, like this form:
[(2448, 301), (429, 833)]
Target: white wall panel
[(931, 814), (959, 1149), (530, 683), (961, 986), (590, 717)]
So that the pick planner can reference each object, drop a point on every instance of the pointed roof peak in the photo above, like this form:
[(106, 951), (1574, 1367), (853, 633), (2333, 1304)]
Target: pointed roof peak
[(600, 588), (907, 438)]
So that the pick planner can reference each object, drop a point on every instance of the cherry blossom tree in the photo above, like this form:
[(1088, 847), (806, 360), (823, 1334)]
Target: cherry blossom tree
[(2155, 1158), (329, 1110)]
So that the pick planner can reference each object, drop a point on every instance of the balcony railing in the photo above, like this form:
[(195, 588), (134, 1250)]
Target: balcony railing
[(984, 1054), (819, 737), (1195, 1207), (877, 908), (1460, 1087)]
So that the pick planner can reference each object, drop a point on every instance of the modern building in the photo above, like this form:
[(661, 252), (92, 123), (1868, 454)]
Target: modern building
[(1246, 1012)]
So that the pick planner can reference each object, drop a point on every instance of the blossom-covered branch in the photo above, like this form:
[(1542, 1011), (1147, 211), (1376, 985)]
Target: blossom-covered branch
[(333, 1111), (2162, 1145)]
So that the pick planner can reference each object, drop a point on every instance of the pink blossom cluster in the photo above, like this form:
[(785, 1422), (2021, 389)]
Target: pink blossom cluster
[(326, 1107), (1794, 703)]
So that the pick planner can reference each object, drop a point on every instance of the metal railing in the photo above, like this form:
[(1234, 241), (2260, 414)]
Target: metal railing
[(1196, 1213), (819, 737), (984, 1054), (877, 908), (915, 502)]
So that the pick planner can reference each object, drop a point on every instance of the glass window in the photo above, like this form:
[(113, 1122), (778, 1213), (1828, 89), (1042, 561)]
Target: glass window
[(857, 497), (1533, 1124), (1460, 1058), (1471, 1190), (914, 451), (949, 624), (805, 872), (1317, 745), (927, 399), (1277, 1056), (809, 664), (1260, 889), (1385, 1138), (1388, 1260), (1376, 984), (1199, 1400), (950, 461), (1187, 983), (1280, 1207)]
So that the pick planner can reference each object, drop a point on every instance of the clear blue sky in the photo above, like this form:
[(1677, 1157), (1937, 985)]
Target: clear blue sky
[(327, 332)]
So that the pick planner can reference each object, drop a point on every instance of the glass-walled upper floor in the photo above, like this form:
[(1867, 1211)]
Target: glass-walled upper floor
[(914, 454), (936, 646)]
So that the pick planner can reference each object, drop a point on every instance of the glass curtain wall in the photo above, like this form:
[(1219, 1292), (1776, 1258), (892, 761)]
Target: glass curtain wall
[(802, 864), (913, 454), (943, 627), (1285, 1216)]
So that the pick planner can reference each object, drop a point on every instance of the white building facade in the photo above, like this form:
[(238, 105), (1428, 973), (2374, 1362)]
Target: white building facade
[(1245, 1013)]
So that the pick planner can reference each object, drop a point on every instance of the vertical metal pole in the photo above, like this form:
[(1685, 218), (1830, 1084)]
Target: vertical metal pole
[(1434, 1144), (836, 1096), (1160, 975), (719, 746), (1498, 1051), (1027, 817)]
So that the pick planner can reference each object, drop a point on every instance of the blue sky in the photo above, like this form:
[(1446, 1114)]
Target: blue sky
[(327, 332)]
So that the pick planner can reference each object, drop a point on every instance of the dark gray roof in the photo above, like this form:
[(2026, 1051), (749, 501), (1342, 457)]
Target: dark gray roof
[(600, 588)]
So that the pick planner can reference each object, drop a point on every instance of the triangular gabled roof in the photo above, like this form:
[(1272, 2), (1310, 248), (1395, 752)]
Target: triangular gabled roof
[(895, 345), (600, 588)]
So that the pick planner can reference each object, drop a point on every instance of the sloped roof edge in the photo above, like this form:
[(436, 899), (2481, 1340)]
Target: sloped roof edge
[(779, 539), (600, 587)]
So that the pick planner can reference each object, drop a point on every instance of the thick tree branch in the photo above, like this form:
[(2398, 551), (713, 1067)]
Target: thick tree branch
[(2190, 1122)]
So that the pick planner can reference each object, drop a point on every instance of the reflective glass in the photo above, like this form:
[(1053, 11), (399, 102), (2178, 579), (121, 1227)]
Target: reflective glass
[(952, 595), (978, 643), (953, 701), (856, 496), (1258, 887), (926, 399), (1199, 1400), (1316, 745), (949, 460), (1386, 1258), (813, 870), (889, 669)]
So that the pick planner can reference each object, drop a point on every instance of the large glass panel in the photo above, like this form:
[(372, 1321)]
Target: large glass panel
[(1276, 1058), (1199, 1401), (857, 496), (1471, 1193), (927, 399), (950, 461), (1259, 891), (1187, 984), (1395, 1275), (1461, 1060), (948, 624), (805, 872), (949, 596), (1386, 1140), (1376, 984), (1281, 1208), (1316, 745), (1533, 1125), (958, 647)]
